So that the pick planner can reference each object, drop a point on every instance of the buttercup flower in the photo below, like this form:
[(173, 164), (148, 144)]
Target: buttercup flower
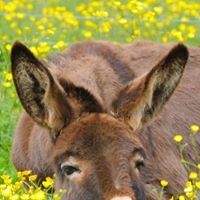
[(178, 138), (164, 183), (194, 128)]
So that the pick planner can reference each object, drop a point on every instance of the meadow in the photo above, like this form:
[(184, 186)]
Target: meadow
[(52, 25)]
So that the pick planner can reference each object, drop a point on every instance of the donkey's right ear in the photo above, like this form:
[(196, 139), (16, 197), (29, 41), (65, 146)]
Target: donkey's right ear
[(41, 96), (139, 102)]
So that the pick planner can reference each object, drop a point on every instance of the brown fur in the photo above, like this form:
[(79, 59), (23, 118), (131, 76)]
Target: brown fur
[(97, 101)]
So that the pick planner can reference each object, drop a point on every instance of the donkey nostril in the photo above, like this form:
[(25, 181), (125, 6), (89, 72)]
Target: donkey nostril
[(121, 198)]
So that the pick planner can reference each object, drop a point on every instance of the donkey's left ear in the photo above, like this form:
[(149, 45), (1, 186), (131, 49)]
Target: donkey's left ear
[(144, 97)]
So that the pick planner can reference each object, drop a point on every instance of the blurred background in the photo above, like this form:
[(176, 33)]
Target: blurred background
[(48, 26)]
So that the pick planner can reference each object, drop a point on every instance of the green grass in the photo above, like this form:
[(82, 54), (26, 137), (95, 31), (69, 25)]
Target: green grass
[(9, 114), (65, 29)]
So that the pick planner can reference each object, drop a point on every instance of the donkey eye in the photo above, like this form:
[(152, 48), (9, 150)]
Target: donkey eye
[(69, 170), (139, 163)]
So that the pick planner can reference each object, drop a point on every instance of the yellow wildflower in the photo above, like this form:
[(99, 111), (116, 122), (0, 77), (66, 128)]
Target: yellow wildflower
[(197, 184), (182, 27), (100, 13), (90, 24), (2, 186), (7, 192), (188, 189), (191, 29), (9, 17), (19, 174), (4, 37), (122, 21), (164, 183), (80, 7), (158, 9), (164, 39), (34, 50), (181, 197), (43, 47), (60, 45), (14, 197), (8, 47), (18, 185), (26, 172), (194, 128), (183, 161), (105, 27), (198, 166), (13, 25), (32, 18), (61, 191), (6, 179), (193, 175), (19, 31), (178, 138), (191, 35), (56, 197), (87, 34), (34, 39), (32, 177), (13, 95), (48, 182), (10, 7), (8, 76), (40, 195), (29, 6), (191, 195), (24, 196), (20, 15)]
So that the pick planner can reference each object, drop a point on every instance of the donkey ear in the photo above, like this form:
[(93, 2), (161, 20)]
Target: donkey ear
[(144, 97), (41, 96)]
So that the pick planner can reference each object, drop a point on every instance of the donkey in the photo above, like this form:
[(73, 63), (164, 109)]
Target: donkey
[(95, 116)]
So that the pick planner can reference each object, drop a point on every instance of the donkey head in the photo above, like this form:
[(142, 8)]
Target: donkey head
[(97, 155)]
